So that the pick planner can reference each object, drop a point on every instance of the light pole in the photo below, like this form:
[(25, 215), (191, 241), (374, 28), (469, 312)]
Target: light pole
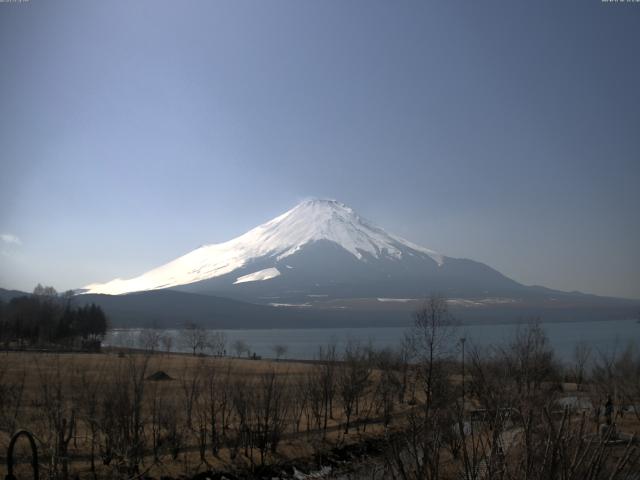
[(462, 341)]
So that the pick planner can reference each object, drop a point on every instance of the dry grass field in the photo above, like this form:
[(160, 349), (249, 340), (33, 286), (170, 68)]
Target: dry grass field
[(69, 401), (131, 414)]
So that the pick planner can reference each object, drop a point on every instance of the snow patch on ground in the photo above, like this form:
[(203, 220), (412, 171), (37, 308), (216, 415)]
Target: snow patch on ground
[(400, 300), (290, 304), (479, 302), (463, 302)]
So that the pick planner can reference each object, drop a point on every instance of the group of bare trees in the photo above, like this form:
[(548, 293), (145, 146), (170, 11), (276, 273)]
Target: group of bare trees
[(495, 416), (196, 340), (192, 338), (199, 340), (11, 394), (512, 425), (115, 420), (119, 421)]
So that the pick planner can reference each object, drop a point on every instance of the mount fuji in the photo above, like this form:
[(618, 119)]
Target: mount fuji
[(321, 264), (320, 249)]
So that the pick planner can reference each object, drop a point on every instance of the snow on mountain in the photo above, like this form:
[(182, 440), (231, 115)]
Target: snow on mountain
[(266, 274), (308, 222)]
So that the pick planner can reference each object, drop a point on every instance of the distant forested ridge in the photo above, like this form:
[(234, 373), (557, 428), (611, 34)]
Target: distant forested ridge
[(47, 318)]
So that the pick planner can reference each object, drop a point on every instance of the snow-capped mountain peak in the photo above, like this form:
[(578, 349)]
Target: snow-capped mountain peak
[(321, 219), (308, 222)]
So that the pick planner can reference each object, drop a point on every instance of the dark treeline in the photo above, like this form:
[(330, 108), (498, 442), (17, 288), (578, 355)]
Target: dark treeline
[(47, 318)]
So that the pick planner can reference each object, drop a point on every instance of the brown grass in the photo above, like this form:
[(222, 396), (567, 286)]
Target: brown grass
[(106, 367)]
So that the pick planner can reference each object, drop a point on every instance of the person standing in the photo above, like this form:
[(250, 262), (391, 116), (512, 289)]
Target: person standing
[(608, 410)]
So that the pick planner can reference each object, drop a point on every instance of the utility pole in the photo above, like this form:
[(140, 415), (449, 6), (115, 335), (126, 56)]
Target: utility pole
[(462, 341)]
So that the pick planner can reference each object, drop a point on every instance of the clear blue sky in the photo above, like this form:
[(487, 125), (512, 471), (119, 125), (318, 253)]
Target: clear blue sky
[(134, 131)]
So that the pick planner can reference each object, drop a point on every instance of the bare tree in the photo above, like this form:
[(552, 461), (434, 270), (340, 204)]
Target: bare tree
[(167, 343), (191, 380), (432, 341), (194, 338), (327, 376), (628, 372), (416, 452), (270, 412), (240, 347), (616, 374), (202, 415), (279, 350), (122, 416), (581, 357), (55, 401), (242, 403), (213, 399), (217, 344), (389, 383), (149, 339), (156, 408), (11, 396), (353, 379), (167, 432), (89, 395), (315, 393), (523, 435), (530, 358), (299, 395), (224, 399)]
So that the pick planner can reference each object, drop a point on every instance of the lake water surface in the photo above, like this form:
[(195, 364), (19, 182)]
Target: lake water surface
[(603, 336)]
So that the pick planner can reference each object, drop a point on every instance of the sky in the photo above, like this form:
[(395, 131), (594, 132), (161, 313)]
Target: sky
[(132, 132)]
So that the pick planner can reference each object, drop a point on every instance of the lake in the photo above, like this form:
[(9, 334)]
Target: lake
[(603, 336)]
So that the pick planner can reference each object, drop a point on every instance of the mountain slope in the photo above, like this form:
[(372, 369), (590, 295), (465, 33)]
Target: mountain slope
[(7, 295), (172, 309)]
